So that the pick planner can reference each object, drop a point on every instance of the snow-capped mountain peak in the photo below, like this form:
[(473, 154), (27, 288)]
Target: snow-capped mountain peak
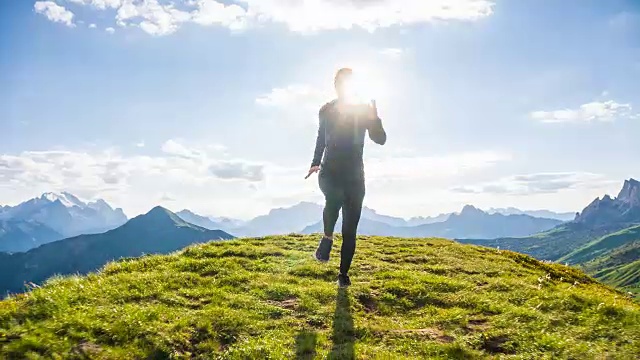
[(68, 200)]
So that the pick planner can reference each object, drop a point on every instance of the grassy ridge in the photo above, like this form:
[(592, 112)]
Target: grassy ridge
[(554, 244), (612, 259), (266, 298), (603, 245), (626, 277)]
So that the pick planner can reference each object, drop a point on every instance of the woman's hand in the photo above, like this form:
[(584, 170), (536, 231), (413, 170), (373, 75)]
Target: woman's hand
[(373, 110), (313, 170)]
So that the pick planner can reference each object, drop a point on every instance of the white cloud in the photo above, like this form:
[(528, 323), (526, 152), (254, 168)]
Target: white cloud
[(110, 30), (211, 12), (176, 148), (393, 53), (103, 4), (415, 167), (100, 4), (92, 26), (315, 15), (605, 111), (293, 95), (54, 12), (166, 197), (237, 170), (151, 16), (539, 183), (163, 18)]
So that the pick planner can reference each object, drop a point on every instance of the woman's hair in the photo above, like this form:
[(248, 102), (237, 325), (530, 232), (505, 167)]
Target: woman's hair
[(341, 74)]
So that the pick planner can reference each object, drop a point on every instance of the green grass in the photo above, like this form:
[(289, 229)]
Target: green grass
[(555, 244), (267, 299), (626, 277), (603, 245), (612, 259)]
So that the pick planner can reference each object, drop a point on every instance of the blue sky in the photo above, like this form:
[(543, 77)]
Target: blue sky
[(213, 106)]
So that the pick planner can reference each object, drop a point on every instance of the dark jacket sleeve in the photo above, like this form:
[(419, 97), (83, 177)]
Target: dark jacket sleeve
[(320, 139), (376, 132)]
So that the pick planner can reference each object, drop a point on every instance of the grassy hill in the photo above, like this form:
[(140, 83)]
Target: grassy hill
[(613, 259), (626, 276), (553, 244), (619, 267), (603, 246), (267, 298)]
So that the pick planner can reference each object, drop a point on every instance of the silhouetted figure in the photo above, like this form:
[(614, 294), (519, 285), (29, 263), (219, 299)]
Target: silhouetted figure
[(341, 136)]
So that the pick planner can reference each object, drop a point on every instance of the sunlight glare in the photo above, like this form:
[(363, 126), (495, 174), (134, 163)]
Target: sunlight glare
[(363, 86)]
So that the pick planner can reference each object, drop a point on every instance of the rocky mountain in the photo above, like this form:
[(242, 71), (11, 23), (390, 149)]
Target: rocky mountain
[(547, 214), (624, 208), (470, 222), (66, 214), (158, 232)]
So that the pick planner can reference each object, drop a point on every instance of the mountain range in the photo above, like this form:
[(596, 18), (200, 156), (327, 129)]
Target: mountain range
[(470, 222), (158, 232), (53, 217), (306, 218), (603, 239)]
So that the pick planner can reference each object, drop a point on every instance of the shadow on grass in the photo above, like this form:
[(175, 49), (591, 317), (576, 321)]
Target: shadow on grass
[(306, 345), (343, 334)]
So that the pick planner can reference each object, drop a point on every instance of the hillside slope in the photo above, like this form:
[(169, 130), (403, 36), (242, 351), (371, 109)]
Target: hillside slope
[(553, 244), (619, 267), (603, 246), (267, 298), (626, 276)]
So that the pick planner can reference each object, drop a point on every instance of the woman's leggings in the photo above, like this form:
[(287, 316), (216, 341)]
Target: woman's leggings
[(346, 192)]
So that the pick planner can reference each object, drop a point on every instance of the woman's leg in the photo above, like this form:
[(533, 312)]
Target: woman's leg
[(354, 196), (334, 197)]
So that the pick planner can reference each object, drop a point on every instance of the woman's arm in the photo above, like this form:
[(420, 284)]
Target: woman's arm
[(376, 130), (320, 139)]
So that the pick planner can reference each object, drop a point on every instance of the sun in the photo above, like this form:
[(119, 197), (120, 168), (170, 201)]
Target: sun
[(357, 90), (364, 85)]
